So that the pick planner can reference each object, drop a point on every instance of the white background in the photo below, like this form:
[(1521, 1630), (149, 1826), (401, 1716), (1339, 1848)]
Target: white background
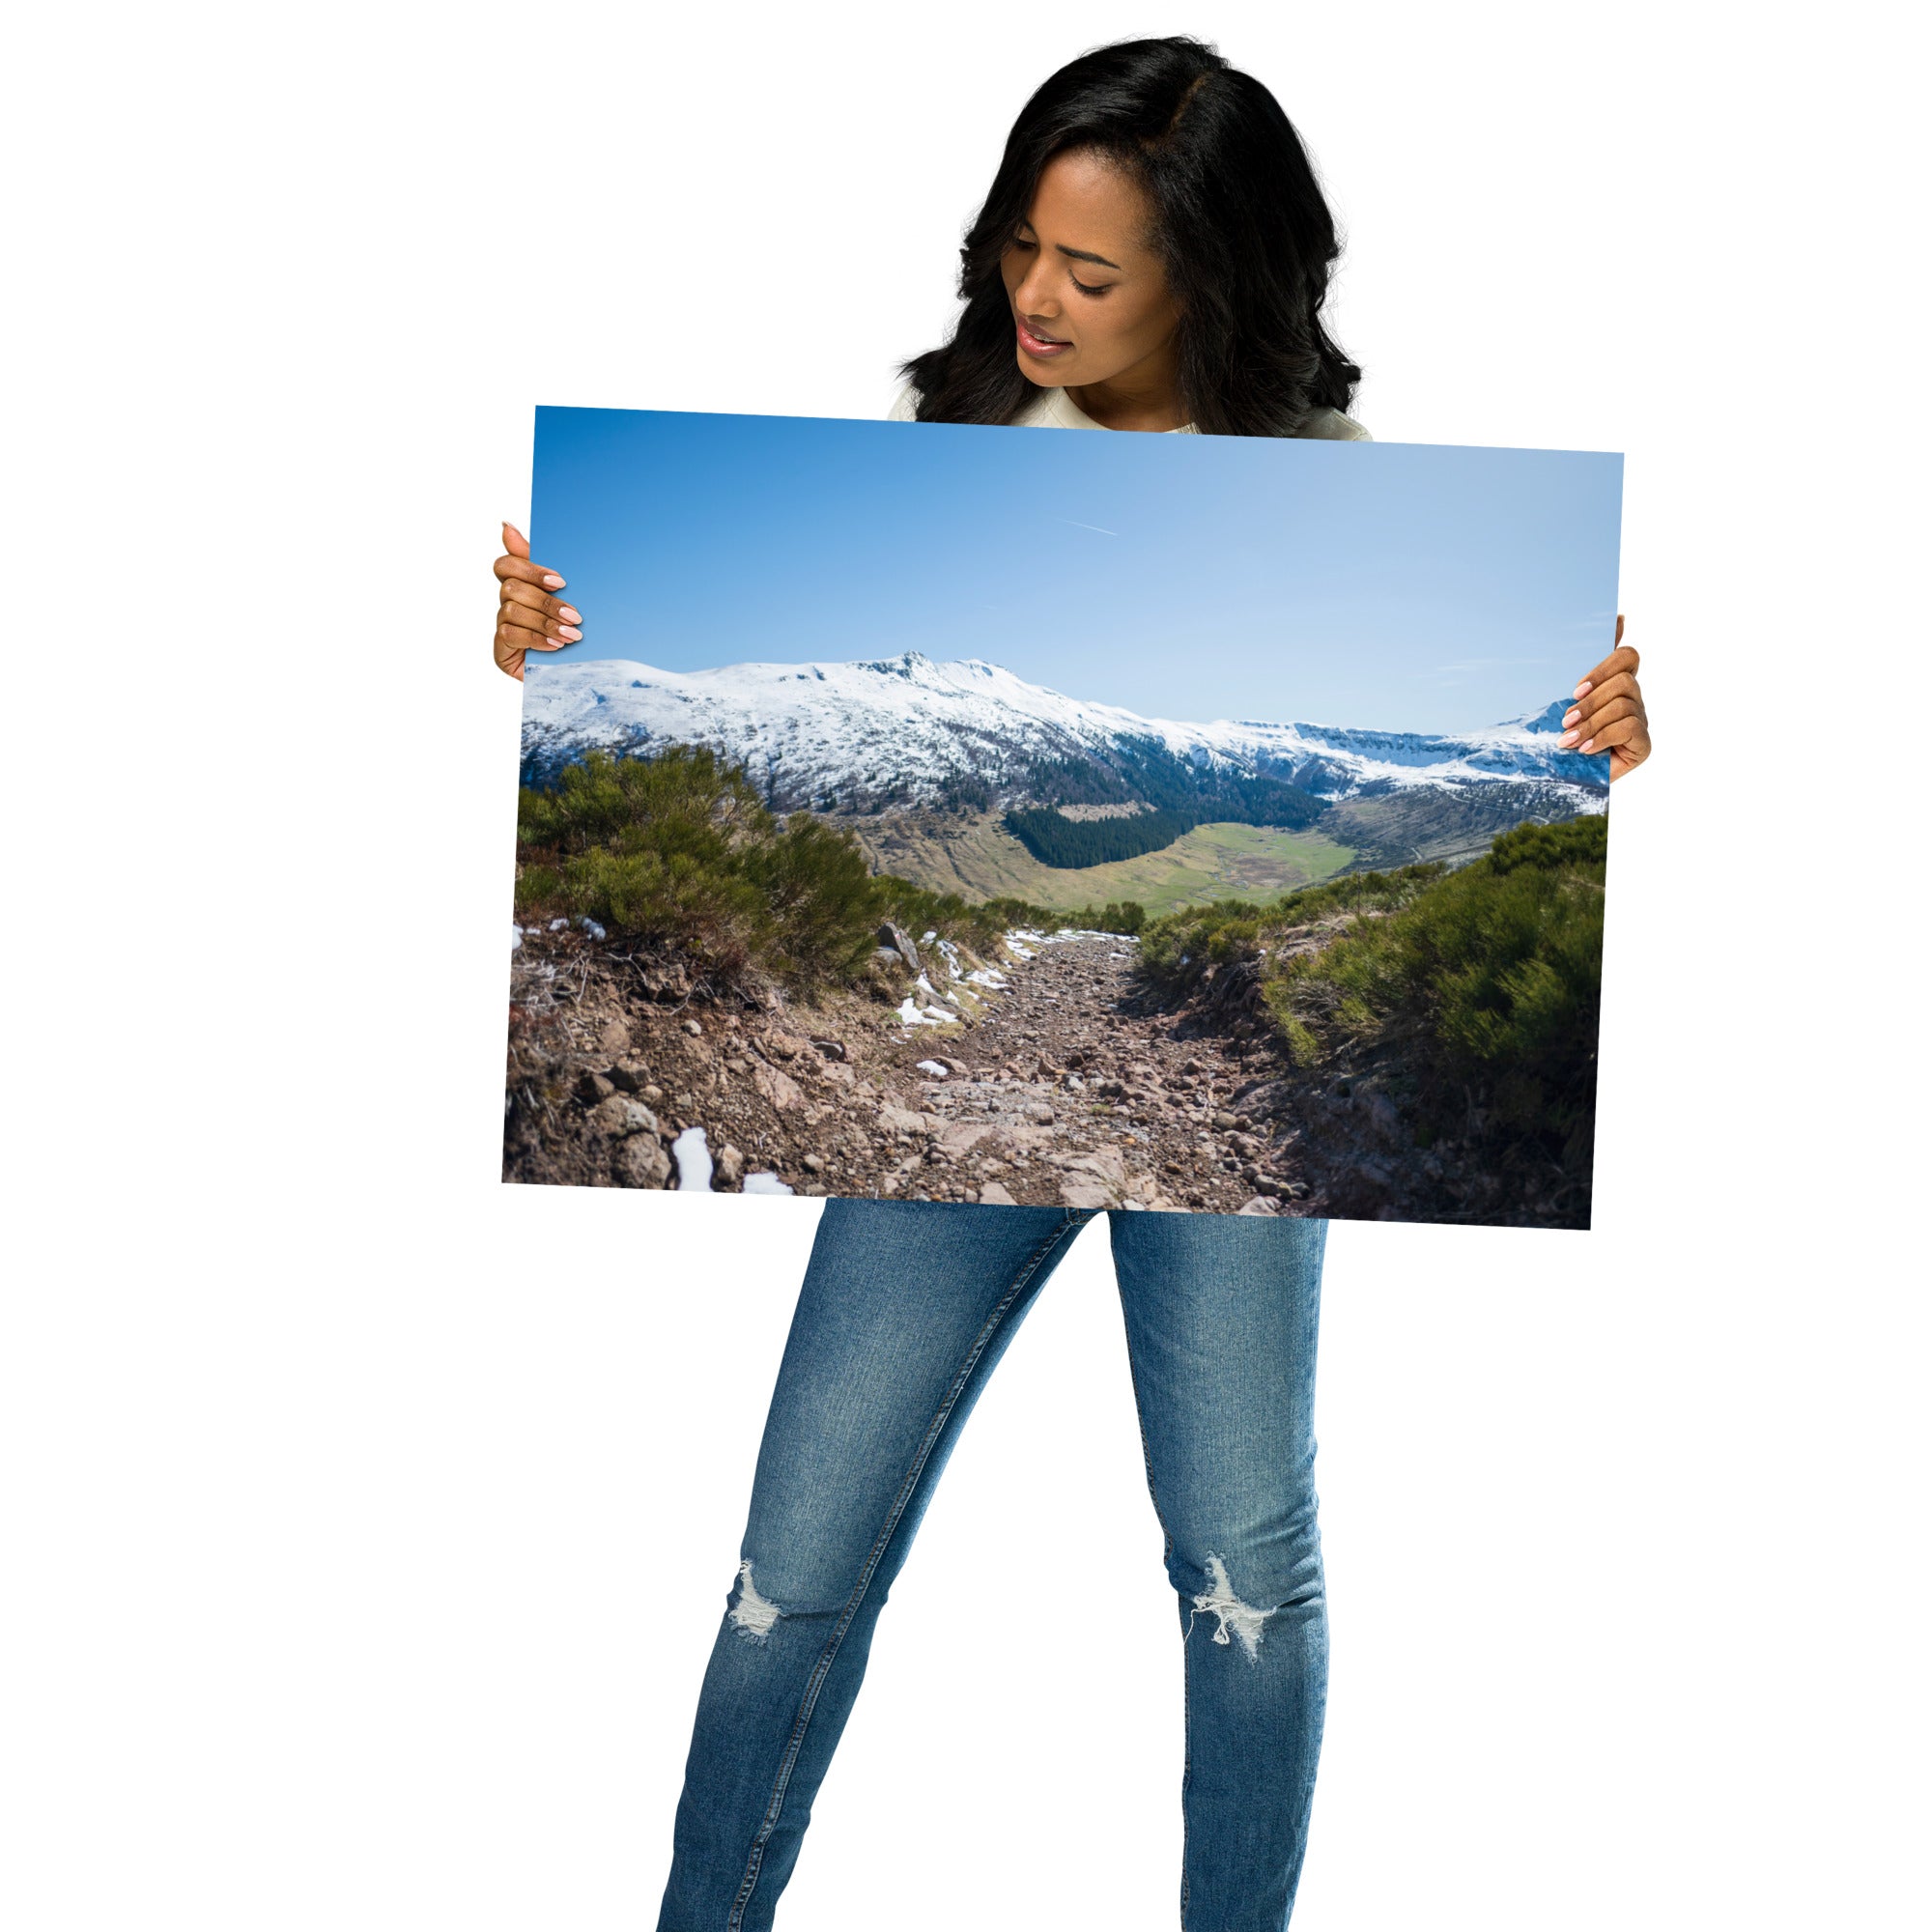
[(366, 1523)]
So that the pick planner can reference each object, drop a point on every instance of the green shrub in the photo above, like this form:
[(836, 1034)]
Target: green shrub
[(677, 847), (1494, 973)]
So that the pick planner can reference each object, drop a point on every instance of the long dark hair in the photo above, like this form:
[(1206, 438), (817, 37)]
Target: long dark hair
[(1243, 234)]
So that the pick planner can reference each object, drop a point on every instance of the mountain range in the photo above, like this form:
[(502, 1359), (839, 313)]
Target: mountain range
[(907, 733)]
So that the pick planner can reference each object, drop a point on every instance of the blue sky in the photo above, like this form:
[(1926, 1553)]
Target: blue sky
[(1408, 586)]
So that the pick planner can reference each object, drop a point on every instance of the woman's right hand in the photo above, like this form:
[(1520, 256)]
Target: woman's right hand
[(528, 618)]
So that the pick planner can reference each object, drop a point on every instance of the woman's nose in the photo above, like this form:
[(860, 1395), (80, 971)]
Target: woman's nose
[(1035, 294)]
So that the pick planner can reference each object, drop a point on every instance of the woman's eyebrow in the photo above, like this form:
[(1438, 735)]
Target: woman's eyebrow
[(1087, 255)]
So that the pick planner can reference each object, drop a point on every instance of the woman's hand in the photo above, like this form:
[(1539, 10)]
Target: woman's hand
[(528, 618), (1608, 714)]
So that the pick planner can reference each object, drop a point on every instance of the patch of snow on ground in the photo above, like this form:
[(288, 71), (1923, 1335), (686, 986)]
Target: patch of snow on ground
[(693, 1162), (934, 1067), (911, 1014), (986, 977), (765, 1184), (516, 937)]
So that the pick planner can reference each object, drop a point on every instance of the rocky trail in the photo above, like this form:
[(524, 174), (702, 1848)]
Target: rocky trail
[(1053, 1077), (1063, 1087)]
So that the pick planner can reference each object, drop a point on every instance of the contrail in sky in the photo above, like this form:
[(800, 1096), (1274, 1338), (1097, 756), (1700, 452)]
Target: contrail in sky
[(1095, 528)]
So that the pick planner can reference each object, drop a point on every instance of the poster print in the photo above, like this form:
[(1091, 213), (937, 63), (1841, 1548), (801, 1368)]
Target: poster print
[(938, 812)]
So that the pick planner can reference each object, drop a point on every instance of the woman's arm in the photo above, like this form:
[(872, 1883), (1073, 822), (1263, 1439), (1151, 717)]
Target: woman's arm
[(1608, 715), (527, 617)]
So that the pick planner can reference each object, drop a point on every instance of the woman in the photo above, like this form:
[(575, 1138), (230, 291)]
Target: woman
[(1152, 255)]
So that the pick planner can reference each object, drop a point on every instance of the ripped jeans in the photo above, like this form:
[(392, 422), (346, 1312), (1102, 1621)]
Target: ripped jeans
[(905, 1310)]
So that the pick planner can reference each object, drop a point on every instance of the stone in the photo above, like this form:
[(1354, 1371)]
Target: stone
[(779, 1090), (642, 1162), (592, 1088), (651, 1097), (1085, 1194), (900, 1119), (832, 1049), (728, 1167), (783, 1046), (1259, 1205), (1107, 1165), (696, 1031), (1224, 1120), (629, 1076), (893, 939), (816, 1162), (618, 1115)]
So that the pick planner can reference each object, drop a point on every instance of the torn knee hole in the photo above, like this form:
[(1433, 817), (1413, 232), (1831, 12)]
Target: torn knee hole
[(1237, 1622), (751, 1615)]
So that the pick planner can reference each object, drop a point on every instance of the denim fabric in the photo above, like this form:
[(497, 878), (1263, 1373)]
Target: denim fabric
[(905, 1310)]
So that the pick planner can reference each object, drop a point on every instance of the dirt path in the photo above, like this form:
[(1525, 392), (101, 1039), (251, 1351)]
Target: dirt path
[(1068, 1089), (1071, 1091)]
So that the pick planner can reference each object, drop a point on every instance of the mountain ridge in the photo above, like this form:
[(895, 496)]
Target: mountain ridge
[(912, 732)]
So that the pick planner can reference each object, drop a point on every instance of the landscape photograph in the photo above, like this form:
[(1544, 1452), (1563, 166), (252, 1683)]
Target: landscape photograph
[(940, 813)]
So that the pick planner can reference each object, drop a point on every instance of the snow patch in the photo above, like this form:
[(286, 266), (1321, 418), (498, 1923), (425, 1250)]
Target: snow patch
[(693, 1159), (764, 1184)]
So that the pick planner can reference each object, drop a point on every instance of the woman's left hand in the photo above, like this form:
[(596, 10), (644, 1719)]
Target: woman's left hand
[(1608, 714)]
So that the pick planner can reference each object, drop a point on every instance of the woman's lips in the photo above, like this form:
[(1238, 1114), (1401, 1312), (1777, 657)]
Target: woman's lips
[(1042, 346)]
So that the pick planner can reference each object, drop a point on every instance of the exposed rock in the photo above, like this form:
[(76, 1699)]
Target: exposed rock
[(640, 1161), (630, 1076), (592, 1088), (1259, 1205), (728, 1168), (993, 1195), (893, 939), (779, 1090), (618, 1115)]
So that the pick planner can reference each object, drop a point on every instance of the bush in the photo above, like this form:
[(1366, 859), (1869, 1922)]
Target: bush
[(678, 848), (1495, 972)]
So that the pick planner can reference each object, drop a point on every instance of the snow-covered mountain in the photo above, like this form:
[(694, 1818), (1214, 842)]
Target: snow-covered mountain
[(906, 731)]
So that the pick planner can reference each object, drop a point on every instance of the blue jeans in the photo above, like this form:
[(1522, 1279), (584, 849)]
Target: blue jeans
[(905, 1310)]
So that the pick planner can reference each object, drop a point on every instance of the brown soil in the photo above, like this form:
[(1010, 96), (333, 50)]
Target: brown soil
[(1076, 1086)]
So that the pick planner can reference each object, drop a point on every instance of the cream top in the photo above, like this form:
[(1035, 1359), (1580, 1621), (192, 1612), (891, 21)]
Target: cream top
[(1055, 409)]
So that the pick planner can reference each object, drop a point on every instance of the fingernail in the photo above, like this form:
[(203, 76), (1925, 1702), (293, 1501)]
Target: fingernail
[(1581, 690), (1586, 744), (1568, 738), (569, 633), (553, 581), (1569, 717), (569, 616)]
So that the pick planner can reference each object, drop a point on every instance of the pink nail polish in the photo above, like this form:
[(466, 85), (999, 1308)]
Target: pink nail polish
[(1586, 744), (1583, 690), (1568, 738), (553, 581), (569, 633), (1571, 716), (569, 616)]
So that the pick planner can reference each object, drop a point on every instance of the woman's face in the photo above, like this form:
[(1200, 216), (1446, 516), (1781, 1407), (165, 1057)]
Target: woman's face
[(1091, 302)]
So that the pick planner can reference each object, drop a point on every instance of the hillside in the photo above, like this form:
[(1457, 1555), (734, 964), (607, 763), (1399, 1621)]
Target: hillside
[(974, 855)]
